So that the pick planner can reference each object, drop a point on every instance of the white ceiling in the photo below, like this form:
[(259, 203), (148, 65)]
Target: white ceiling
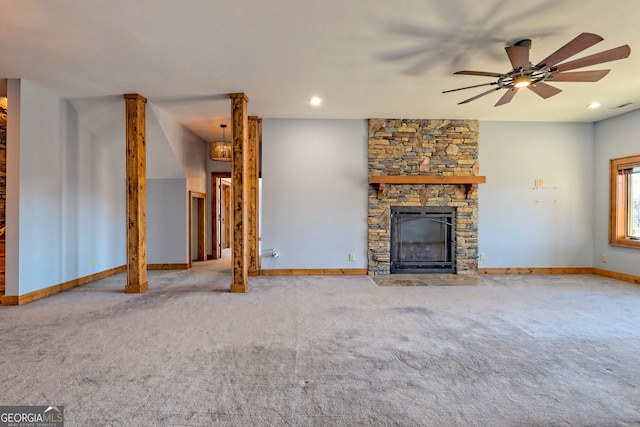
[(364, 58)]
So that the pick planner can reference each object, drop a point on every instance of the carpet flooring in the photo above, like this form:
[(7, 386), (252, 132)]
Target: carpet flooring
[(329, 351)]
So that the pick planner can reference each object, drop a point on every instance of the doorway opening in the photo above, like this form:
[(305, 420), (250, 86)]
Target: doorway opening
[(221, 216), (197, 227)]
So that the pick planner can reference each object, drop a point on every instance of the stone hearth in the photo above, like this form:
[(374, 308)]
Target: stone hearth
[(402, 147)]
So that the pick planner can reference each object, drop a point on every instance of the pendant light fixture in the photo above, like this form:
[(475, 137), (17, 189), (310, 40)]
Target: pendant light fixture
[(220, 150)]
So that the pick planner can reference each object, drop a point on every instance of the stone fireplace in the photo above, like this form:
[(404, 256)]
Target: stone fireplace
[(425, 166)]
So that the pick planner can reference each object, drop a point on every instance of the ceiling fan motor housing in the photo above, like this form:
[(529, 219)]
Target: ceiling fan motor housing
[(524, 42)]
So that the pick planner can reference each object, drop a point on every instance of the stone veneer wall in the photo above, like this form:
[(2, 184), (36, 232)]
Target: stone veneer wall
[(423, 147), (3, 162)]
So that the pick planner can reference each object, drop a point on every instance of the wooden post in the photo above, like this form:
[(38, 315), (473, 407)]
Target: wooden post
[(253, 176), (239, 137), (136, 195)]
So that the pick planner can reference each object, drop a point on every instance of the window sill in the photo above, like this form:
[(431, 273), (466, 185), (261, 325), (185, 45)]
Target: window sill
[(627, 243)]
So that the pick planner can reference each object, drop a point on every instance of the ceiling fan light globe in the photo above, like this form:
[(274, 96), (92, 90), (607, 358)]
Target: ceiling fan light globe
[(521, 81)]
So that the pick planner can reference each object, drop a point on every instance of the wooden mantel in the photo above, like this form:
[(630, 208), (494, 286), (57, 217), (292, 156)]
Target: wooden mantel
[(468, 181)]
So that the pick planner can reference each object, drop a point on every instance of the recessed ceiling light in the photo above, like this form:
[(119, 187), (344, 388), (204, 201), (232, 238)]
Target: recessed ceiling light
[(315, 101), (594, 105)]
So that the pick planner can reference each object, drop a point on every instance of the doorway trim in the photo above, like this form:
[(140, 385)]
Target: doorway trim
[(200, 198)]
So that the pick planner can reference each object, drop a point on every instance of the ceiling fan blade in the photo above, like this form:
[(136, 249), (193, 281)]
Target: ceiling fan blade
[(614, 54), (519, 56), (577, 45), (407, 53), (478, 96), (579, 76), (544, 90), (478, 73), (469, 87), (507, 97)]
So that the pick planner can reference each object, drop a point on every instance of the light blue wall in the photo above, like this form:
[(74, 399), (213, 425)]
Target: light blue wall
[(71, 214), (12, 214), (188, 149), (315, 186), (66, 192), (614, 138), (167, 221), (177, 164), (96, 190), (523, 227), (68, 202), (314, 193)]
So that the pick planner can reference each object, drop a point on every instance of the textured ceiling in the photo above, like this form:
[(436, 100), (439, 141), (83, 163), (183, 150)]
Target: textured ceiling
[(365, 59)]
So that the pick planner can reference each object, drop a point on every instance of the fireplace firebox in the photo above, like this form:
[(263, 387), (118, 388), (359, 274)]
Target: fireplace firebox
[(423, 240)]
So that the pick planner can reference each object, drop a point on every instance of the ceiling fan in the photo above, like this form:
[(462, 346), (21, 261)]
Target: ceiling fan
[(551, 69)]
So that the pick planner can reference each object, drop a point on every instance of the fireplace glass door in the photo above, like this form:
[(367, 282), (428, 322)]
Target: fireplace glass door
[(422, 240)]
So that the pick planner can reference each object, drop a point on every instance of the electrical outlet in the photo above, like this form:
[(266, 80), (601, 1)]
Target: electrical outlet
[(603, 258), (93, 262), (352, 257), (482, 256)]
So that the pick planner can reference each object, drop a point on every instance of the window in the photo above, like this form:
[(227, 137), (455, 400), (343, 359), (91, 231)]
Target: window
[(633, 208), (624, 204)]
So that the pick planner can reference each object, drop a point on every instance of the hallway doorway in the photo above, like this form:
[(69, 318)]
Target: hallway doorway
[(222, 235), (197, 227)]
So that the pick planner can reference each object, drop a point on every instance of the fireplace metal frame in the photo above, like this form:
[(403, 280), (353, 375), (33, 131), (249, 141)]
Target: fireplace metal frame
[(444, 215)]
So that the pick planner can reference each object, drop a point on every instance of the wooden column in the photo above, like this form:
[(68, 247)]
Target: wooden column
[(253, 176), (136, 195), (239, 163)]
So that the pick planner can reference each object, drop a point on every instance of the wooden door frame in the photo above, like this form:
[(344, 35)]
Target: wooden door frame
[(202, 226), (225, 221), (214, 209)]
